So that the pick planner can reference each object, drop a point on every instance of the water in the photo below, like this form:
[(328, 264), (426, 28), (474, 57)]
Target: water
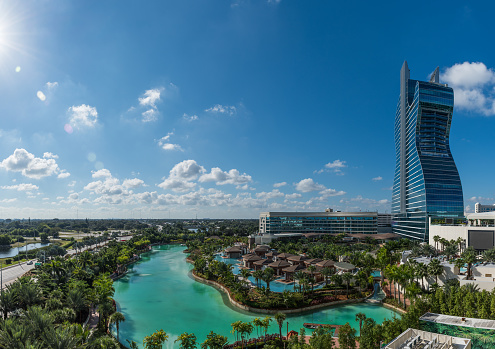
[(12, 252), (158, 293)]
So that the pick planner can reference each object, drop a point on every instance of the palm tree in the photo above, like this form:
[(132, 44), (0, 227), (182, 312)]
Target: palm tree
[(258, 323), (280, 318), (7, 302), (360, 317), (312, 269), (214, 341), (268, 276), (155, 340), (236, 329), (435, 269), (258, 275), (299, 276), (266, 323), (116, 318), (459, 242), (436, 238), (422, 273), (245, 273), (326, 272), (60, 338), (76, 300), (469, 257), (187, 341), (346, 277)]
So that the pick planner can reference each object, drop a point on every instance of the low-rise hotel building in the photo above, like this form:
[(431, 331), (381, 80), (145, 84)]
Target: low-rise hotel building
[(323, 222)]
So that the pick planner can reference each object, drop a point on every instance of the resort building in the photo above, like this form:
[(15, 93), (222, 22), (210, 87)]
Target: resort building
[(479, 208), (298, 223), (480, 332), (426, 181), (412, 339), (476, 230)]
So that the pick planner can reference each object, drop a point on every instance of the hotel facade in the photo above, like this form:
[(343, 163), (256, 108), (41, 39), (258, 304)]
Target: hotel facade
[(426, 181)]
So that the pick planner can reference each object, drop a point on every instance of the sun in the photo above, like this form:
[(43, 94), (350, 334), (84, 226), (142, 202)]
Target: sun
[(12, 19)]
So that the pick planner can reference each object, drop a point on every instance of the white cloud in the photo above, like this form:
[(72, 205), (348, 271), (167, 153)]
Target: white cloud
[(177, 184), (47, 155), (8, 200), (166, 145), (181, 175), (331, 192), (474, 87), (150, 97), (187, 169), (29, 165), (335, 166), (103, 173), (281, 184), (132, 183), (307, 185), (21, 187), (222, 109), (293, 196), (51, 85), (150, 115), (71, 184), (63, 174), (82, 116), (221, 177), (379, 178), (275, 193), (190, 117)]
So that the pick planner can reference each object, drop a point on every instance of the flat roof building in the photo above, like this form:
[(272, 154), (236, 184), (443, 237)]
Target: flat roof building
[(418, 339), (320, 222), (479, 208)]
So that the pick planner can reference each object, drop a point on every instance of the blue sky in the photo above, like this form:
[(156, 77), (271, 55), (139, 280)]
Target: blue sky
[(223, 109)]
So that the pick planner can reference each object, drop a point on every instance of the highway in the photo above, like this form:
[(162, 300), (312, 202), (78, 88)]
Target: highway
[(9, 274)]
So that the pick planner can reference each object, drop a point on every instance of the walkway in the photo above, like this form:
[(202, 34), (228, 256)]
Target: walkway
[(94, 318)]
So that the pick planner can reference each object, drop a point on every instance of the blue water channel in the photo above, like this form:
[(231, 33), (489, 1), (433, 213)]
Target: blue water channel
[(159, 293)]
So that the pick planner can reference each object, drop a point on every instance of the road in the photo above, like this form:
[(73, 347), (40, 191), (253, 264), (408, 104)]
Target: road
[(9, 274)]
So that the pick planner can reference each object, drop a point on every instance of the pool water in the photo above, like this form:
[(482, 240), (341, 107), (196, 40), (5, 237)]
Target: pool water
[(159, 293)]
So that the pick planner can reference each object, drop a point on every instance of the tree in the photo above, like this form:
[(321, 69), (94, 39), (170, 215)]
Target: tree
[(268, 276), (469, 257), (280, 318), (360, 317), (258, 275), (266, 323), (421, 273), (187, 341), (321, 338), (312, 269), (347, 337), (245, 273), (155, 340), (436, 238), (214, 341), (435, 269), (327, 272), (347, 277), (450, 250), (370, 335), (116, 318)]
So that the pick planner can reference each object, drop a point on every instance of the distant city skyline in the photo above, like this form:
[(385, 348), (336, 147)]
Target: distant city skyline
[(224, 109)]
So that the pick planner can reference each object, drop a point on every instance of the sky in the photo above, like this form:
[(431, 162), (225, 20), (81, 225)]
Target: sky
[(229, 108)]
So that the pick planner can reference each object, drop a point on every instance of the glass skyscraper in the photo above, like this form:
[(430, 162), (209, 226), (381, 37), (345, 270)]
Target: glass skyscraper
[(426, 182)]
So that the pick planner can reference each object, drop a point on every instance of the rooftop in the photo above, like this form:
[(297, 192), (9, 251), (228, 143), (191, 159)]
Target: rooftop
[(417, 339), (458, 321)]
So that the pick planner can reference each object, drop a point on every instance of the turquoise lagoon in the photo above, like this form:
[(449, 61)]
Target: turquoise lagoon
[(159, 293)]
